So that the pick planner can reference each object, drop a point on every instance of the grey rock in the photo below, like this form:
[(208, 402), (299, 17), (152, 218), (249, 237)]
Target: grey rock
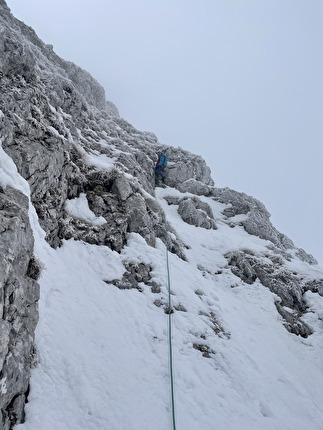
[(204, 349), (288, 286), (258, 219), (304, 256), (4, 345), (139, 219), (121, 186), (316, 286), (19, 294), (125, 210), (293, 322), (195, 187), (136, 276), (196, 212), (184, 166)]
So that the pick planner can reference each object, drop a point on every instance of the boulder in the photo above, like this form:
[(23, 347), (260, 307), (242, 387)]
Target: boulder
[(196, 212), (195, 187)]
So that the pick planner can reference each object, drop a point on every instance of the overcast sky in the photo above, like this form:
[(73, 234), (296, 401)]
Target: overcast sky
[(236, 81)]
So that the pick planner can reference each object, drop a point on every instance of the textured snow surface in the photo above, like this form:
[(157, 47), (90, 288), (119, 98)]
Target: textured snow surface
[(103, 352)]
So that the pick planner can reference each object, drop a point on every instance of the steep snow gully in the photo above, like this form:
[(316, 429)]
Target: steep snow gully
[(84, 287)]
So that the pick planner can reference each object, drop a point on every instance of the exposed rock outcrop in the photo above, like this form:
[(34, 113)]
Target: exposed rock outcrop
[(18, 305), (136, 276), (184, 166), (289, 287), (195, 212), (257, 221), (194, 186)]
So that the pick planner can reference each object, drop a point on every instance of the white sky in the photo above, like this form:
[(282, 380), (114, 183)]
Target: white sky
[(238, 82)]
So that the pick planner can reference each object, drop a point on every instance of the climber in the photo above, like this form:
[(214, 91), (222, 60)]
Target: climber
[(160, 166)]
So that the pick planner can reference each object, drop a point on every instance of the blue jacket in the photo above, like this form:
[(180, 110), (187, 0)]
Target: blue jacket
[(162, 160)]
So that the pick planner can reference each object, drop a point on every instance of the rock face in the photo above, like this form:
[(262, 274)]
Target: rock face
[(18, 305), (66, 141), (288, 286), (184, 166), (195, 212), (257, 221)]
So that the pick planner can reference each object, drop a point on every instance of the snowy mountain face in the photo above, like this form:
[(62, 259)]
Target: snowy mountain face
[(84, 288)]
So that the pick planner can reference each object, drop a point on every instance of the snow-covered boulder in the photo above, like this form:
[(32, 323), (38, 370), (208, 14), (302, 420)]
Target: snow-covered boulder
[(184, 166), (257, 221), (195, 187), (195, 212)]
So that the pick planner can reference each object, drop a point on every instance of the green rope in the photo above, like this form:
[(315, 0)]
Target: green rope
[(170, 332)]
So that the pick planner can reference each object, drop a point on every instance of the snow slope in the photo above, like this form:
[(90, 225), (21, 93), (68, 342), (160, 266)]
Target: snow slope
[(103, 352)]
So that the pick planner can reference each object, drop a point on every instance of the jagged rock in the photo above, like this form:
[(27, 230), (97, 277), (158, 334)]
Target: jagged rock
[(293, 322), (204, 349), (121, 186), (124, 209), (183, 166), (139, 220), (243, 267), (257, 223), (288, 286), (195, 187), (19, 293), (316, 286), (196, 212), (304, 256), (112, 108), (134, 277), (16, 413)]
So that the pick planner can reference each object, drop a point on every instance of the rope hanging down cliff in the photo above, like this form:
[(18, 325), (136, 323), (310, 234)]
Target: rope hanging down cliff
[(170, 329)]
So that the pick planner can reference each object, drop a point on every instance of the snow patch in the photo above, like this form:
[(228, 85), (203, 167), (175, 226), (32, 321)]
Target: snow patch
[(79, 208), (9, 175)]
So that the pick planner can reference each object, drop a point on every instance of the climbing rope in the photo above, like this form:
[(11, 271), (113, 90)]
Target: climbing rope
[(170, 331)]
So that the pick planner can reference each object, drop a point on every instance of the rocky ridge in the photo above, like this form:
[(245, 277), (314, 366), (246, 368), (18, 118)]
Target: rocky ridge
[(60, 131)]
